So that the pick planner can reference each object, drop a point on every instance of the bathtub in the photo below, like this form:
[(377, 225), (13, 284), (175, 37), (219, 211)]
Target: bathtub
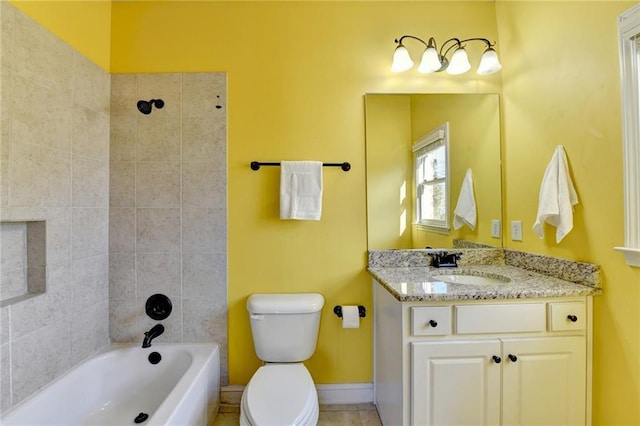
[(120, 382)]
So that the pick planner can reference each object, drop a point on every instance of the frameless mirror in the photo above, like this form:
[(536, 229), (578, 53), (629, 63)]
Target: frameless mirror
[(393, 123)]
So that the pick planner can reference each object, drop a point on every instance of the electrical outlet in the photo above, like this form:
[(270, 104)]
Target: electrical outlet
[(516, 230), (496, 228)]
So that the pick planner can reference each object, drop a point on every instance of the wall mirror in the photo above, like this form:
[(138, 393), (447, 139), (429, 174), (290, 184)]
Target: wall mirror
[(393, 122)]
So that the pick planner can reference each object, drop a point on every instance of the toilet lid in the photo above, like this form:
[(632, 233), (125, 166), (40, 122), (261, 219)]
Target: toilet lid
[(280, 394)]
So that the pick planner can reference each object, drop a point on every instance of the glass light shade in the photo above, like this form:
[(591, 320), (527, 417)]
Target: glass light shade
[(489, 62), (401, 59), (459, 63), (430, 61)]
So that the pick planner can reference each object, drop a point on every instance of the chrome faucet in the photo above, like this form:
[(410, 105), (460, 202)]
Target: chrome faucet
[(157, 330)]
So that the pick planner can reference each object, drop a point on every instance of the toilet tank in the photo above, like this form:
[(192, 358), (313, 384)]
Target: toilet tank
[(285, 326)]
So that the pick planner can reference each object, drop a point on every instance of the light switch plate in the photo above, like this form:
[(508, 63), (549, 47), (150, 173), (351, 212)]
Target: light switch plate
[(516, 230), (496, 228)]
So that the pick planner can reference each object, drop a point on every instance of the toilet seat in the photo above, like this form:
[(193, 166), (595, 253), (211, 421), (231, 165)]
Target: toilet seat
[(279, 395)]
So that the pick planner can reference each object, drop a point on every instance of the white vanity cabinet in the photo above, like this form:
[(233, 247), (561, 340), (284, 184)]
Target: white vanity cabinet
[(482, 362)]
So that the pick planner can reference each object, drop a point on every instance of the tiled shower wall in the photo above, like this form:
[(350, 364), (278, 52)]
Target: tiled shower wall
[(168, 208), (54, 166)]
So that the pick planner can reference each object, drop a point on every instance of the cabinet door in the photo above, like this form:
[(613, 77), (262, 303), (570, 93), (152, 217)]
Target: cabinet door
[(544, 381), (455, 383)]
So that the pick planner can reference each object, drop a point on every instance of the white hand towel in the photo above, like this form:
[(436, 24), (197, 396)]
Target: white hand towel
[(557, 197), (465, 212), (300, 190)]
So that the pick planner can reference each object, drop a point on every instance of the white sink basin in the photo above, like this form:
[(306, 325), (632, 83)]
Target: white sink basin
[(472, 279)]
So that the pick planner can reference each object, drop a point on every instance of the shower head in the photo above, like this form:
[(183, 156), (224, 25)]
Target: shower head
[(146, 106)]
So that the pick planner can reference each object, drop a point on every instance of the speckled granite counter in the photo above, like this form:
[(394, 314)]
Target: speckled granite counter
[(408, 275)]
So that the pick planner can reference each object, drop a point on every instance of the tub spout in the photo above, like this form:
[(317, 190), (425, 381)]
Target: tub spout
[(157, 330)]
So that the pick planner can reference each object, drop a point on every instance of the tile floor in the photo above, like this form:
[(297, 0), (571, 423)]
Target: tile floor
[(330, 415)]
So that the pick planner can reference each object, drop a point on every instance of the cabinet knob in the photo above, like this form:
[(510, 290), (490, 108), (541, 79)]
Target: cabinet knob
[(433, 323), (496, 359), (512, 358), (572, 318)]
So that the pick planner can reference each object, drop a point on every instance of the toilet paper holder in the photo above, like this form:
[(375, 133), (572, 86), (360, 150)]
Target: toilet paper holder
[(362, 311)]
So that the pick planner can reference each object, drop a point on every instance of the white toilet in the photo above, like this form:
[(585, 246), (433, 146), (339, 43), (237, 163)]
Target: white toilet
[(285, 333)]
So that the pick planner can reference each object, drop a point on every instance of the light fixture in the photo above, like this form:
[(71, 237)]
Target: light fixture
[(434, 60)]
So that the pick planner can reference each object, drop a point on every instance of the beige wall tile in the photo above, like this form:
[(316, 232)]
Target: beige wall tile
[(5, 377), (39, 311), (32, 369), (122, 184), (158, 273), (123, 139), (4, 325), (89, 281), (13, 283), (13, 246), (122, 275), (158, 184), (39, 176), (203, 186), (36, 243), (158, 137), (158, 230), (125, 317), (91, 85), (40, 115), (122, 230), (6, 89), (40, 56), (124, 95), (90, 137), (42, 127), (204, 276), (89, 180), (201, 92), (204, 230), (203, 140), (89, 330), (36, 279), (90, 232), (6, 36), (58, 222), (4, 186), (204, 321)]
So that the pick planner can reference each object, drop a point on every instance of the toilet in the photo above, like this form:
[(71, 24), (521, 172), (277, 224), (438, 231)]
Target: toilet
[(285, 333)]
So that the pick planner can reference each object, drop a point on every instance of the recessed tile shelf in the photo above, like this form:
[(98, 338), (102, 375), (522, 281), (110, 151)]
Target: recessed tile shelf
[(22, 260)]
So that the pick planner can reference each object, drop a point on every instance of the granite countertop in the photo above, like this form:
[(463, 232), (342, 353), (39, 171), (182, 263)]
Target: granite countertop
[(411, 279)]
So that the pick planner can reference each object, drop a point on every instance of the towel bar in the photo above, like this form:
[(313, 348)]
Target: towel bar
[(255, 165)]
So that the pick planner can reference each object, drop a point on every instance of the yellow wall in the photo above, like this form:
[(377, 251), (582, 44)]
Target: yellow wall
[(85, 25), (561, 86), (297, 73)]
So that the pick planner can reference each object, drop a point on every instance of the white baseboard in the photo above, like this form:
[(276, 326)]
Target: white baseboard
[(343, 393)]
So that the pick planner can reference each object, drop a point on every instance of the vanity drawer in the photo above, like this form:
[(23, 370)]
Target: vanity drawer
[(430, 320), (507, 318), (565, 316)]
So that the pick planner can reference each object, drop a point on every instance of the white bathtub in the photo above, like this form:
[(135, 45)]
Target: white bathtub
[(119, 383)]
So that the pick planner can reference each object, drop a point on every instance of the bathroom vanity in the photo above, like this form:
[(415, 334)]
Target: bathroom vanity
[(510, 347)]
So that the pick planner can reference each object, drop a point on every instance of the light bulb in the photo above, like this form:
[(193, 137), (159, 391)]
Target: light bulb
[(401, 59)]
